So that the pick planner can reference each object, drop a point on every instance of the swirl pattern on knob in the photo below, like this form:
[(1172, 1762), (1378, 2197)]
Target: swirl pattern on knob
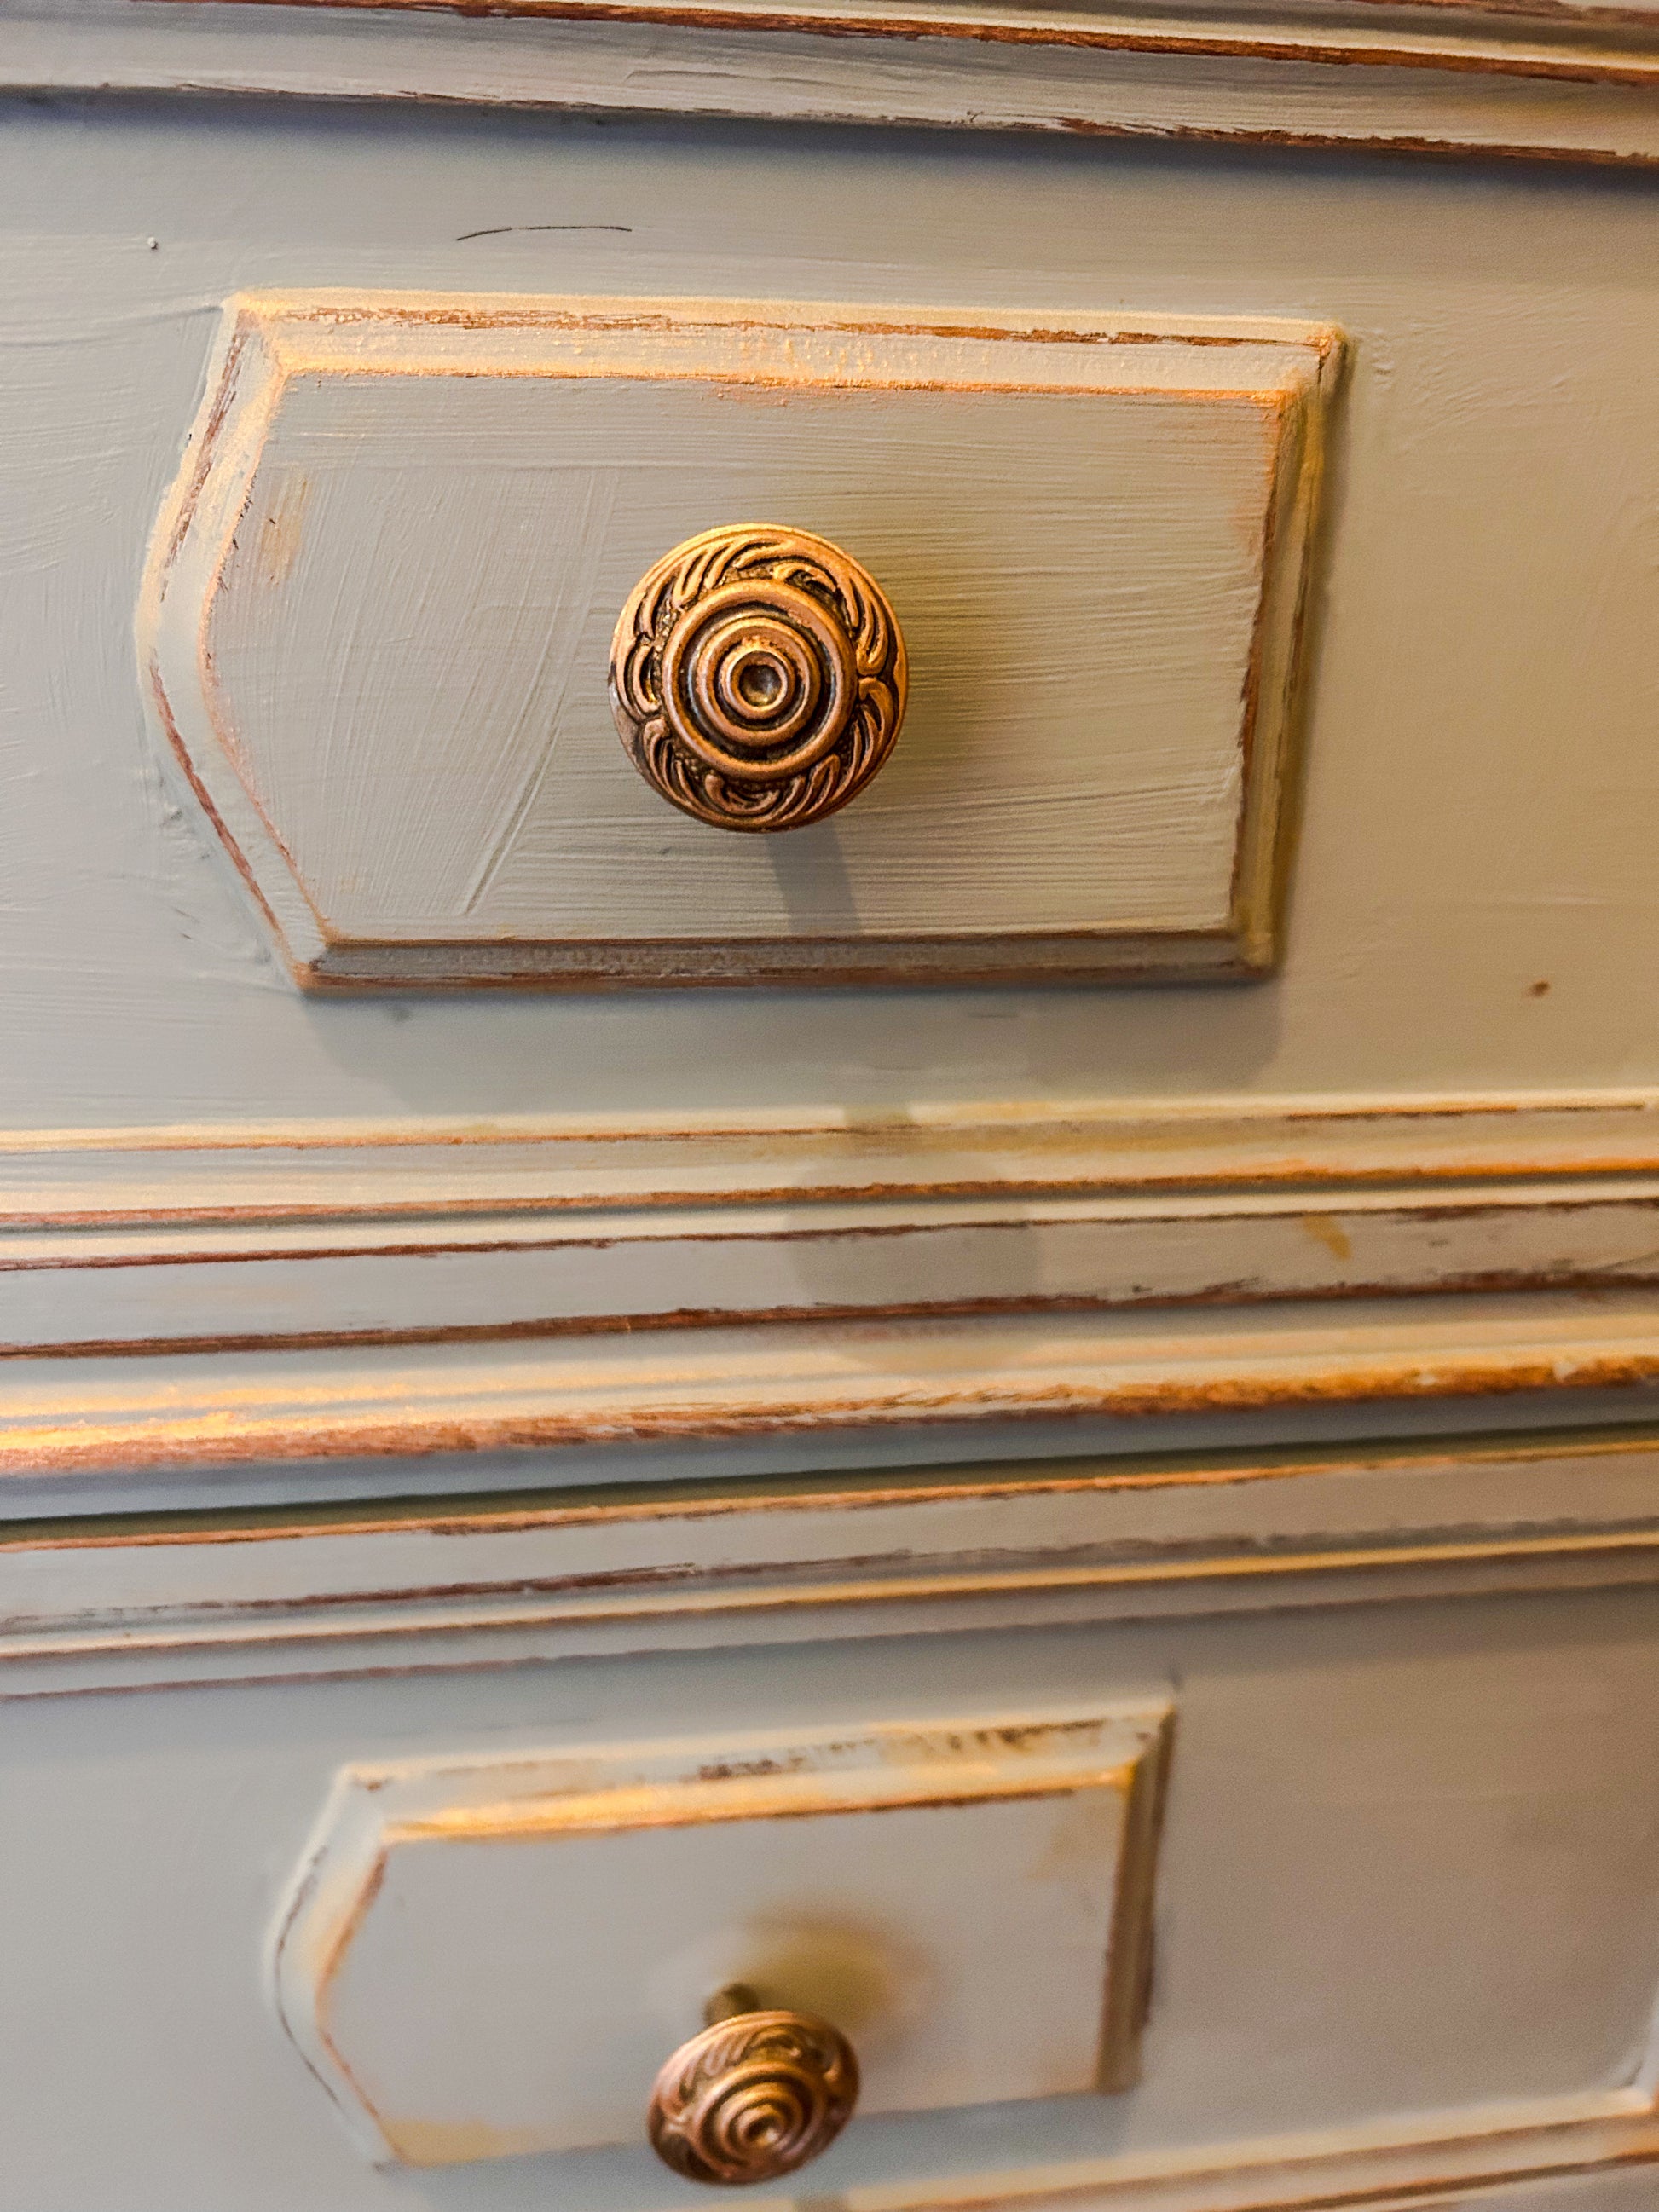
[(757, 677), (753, 2098)]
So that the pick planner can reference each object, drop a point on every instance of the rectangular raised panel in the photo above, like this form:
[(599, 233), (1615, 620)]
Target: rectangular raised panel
[(496, 1955), (378, 609)]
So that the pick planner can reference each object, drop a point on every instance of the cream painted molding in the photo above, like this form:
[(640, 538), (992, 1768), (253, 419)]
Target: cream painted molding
[(246, 1407), (493, 1582), (336, 1293), (1480, 76), (325, 1236)]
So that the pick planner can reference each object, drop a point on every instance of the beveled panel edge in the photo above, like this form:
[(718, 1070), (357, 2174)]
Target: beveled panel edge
[(354, 964), (1471, 78)]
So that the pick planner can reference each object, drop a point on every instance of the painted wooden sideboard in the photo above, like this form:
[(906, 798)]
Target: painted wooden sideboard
[(828, 1106)]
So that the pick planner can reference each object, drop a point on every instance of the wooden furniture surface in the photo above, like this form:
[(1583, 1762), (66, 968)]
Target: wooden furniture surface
[(1018, 1424)]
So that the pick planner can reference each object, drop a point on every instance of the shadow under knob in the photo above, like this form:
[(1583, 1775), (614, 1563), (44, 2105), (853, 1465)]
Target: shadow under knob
[(753, 2096), (757, 677)]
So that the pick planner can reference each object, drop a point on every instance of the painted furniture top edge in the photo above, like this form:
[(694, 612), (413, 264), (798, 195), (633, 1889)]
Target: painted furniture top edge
[(1511, 79), (1436, 30)]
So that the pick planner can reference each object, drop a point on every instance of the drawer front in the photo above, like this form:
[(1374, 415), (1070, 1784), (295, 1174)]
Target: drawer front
[(1158, 1882), (1471, 911)]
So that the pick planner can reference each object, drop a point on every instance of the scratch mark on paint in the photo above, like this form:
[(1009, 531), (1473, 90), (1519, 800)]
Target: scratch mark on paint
[(503, 229), (589, 523)]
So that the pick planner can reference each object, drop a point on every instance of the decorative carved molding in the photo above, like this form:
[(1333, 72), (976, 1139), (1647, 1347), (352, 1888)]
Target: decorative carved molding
[(230, 1174), (498, 1582), (195, 1241), (803, 1388), (757, 677)]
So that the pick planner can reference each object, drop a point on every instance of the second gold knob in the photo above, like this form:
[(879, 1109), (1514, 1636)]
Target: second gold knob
[(754, 2096)]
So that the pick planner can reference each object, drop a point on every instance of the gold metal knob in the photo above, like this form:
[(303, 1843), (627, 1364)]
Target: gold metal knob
[(754, 2095), (757, 677)]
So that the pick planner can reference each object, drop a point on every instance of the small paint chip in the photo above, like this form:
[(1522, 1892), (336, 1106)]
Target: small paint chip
[(1325, 1230), (279, 542)]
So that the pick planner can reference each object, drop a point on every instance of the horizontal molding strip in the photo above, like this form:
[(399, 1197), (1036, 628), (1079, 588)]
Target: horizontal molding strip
[(306, 1642), (1463, 34), (191, 1298), (200, 1410), (1527, 80), (234, 1172), (493, 1583), (1556, 2139), (165, 1240)]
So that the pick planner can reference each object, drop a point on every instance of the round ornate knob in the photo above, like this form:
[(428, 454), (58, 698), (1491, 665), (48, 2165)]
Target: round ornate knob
[(754, 2096), (757, 677)]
